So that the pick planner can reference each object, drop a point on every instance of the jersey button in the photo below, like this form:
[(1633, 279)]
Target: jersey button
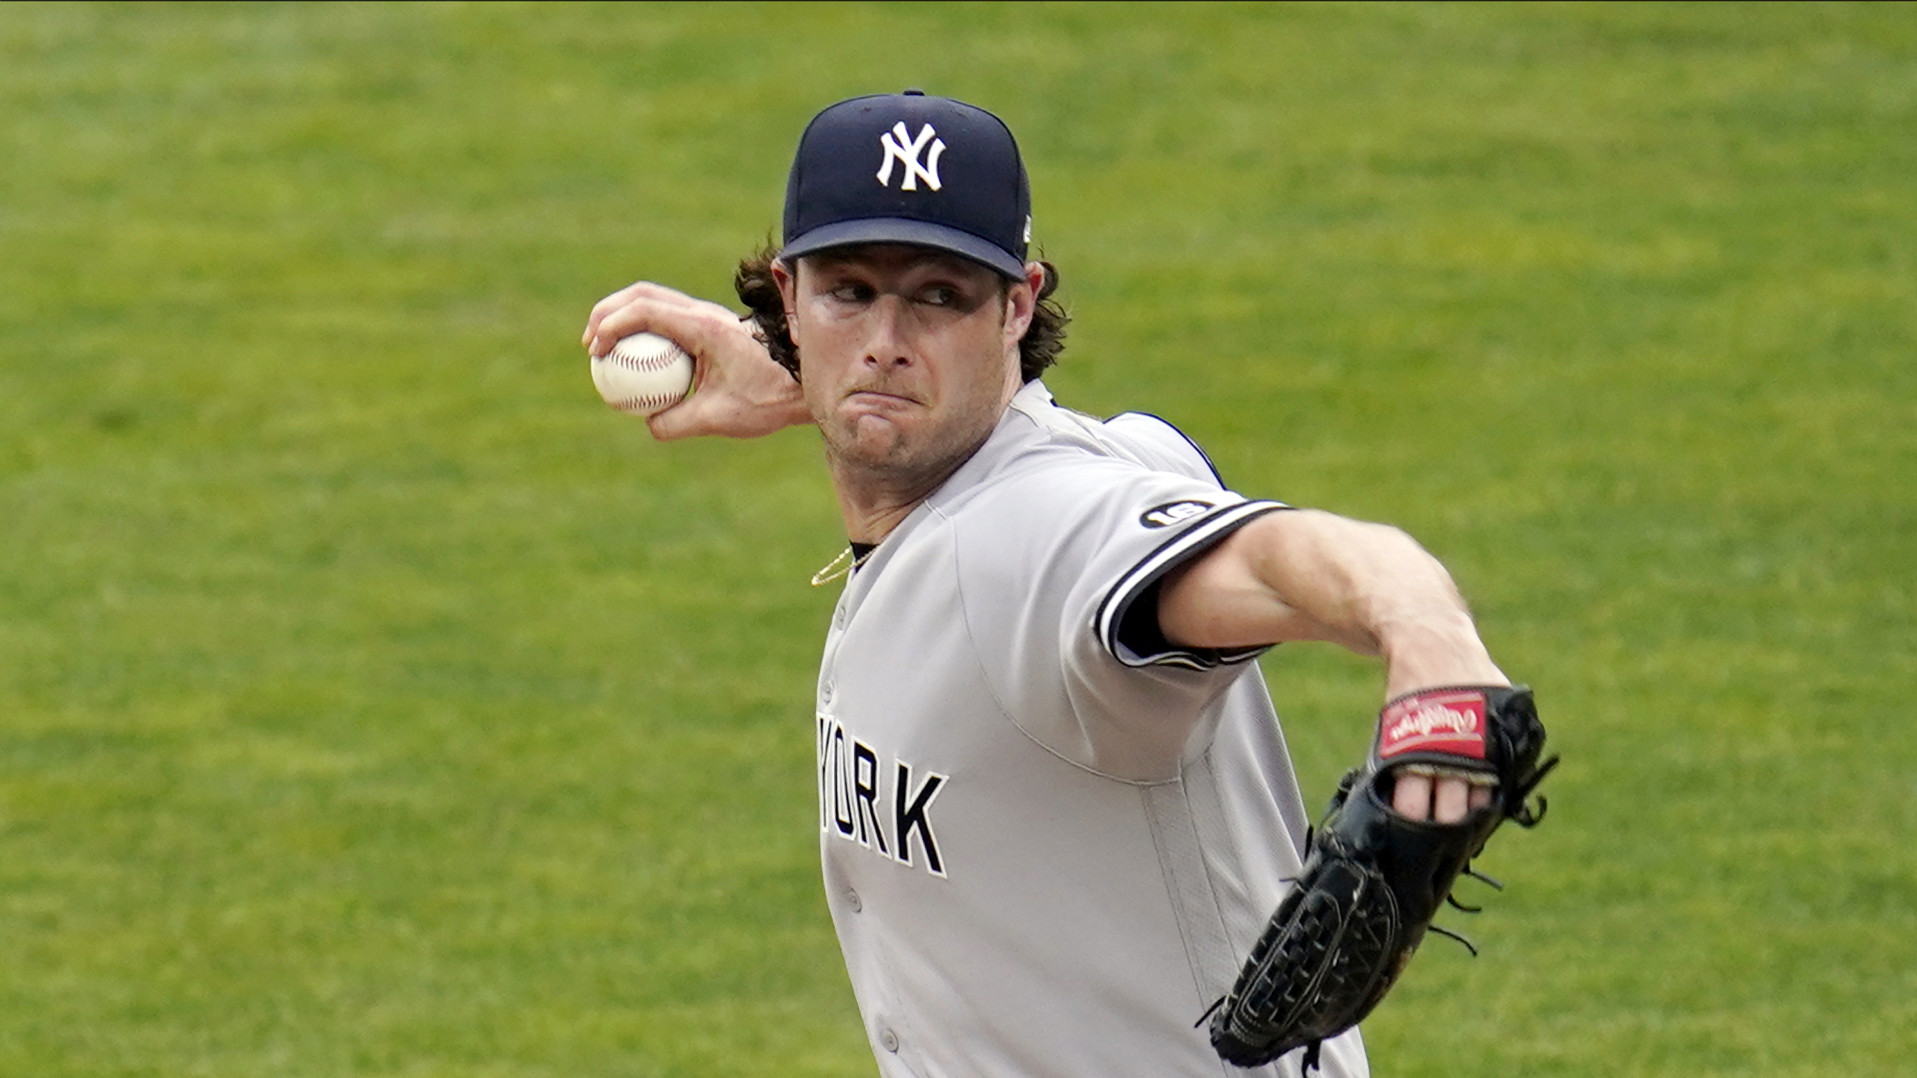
[(852, 897), (888, 1040)]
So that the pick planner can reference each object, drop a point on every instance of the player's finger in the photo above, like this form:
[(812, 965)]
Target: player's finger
[(1450, 800), (696, 326), (730, 412), (605, 307), (637, 314), (640, 293), (1411, 796), (1480, 797), (689, 418)]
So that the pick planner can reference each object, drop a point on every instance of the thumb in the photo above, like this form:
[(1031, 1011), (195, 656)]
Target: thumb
[(696, 415)]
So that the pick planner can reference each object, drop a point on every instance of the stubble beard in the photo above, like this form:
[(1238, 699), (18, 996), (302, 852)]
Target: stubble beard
[(898, 465), (880, 461)]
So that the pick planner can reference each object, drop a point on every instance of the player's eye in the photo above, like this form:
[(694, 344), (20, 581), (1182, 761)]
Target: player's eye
[(950, 296), (851, 292)]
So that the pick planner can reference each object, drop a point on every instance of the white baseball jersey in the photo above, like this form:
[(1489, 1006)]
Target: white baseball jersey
[(1049, 838)]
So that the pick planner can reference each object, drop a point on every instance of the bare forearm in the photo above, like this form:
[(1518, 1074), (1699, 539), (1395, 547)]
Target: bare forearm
[(1309, 575)]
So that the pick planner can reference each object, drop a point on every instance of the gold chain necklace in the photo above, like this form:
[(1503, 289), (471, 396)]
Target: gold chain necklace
[(841, 567)]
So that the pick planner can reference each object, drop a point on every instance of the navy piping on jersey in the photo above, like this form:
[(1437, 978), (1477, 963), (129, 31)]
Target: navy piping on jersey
[(1120, 633), (1195, 447)]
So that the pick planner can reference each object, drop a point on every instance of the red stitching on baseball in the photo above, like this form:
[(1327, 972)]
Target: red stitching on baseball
[(646, 363)]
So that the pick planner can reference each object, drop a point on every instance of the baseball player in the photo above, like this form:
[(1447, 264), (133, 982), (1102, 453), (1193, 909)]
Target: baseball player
[(1056, 808)]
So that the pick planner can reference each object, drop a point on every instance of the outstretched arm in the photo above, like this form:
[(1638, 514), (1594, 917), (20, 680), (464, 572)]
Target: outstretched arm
[(1310, 575), (1401, 829), (737, 390)]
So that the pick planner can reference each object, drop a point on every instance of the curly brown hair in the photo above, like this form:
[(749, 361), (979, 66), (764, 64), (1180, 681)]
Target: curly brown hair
[(1044, 339)]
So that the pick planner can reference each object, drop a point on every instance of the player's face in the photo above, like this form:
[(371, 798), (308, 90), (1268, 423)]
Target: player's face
[(907, 356)]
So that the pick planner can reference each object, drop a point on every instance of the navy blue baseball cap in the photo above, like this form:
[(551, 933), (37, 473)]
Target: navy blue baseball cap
[(910, 168)]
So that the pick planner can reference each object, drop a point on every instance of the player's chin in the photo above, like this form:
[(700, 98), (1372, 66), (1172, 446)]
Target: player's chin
[(868, 439)]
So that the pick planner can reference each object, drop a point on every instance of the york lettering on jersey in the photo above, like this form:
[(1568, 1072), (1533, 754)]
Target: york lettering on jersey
[(857, 803)]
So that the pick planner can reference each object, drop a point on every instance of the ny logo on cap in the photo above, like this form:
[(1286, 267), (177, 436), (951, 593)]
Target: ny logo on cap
[(905, 149)]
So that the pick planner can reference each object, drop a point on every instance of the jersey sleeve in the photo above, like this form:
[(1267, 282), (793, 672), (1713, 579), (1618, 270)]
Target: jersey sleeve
[(1127, 620), (1058, 587)]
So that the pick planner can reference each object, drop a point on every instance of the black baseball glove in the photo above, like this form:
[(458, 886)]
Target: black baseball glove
[(1373, 879)]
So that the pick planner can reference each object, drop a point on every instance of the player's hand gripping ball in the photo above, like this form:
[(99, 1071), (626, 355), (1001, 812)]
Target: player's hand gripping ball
[(643, 374)]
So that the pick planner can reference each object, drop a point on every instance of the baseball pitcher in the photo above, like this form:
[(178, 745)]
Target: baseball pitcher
[(1060, 829)]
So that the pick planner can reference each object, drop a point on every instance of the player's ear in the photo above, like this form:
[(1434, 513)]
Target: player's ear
[(787, 278), (1021, 302)]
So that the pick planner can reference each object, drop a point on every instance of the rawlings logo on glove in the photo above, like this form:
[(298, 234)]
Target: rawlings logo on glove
[(1373, 879), (1447, 722)]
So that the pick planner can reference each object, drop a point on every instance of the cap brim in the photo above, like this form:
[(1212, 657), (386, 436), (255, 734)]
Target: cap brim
[(907, 231)]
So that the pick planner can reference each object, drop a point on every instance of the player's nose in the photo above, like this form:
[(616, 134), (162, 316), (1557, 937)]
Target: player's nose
[(887, 341)]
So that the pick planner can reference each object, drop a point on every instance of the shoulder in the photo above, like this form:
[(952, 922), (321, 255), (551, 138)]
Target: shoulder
[(1137, 438), (1049, 474), (1056, 493), (1160, 444), (1040, 447)]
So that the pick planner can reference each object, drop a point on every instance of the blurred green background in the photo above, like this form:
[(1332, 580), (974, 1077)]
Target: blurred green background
[(373, 701)]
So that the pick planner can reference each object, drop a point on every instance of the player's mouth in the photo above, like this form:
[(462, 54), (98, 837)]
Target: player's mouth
[(880, 398)]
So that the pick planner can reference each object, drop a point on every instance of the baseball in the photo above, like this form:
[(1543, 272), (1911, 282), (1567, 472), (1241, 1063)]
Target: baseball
[(643, 374)]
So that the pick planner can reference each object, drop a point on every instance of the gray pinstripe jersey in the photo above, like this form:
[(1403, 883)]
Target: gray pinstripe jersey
[(1048, 845)]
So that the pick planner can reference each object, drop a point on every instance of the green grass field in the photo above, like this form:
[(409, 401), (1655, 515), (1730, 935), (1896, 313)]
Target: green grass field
[(375, 702)]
